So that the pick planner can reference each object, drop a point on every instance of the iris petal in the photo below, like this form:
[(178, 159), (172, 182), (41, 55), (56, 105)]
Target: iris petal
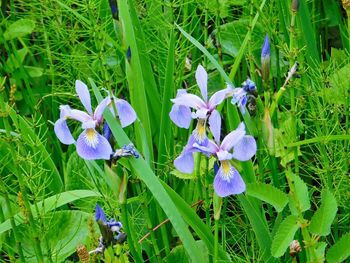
[(185, 162), (219, 96), (233, 137), (84, 95), (202, 81), (126, 113), (100, 108), (181, 116), (215, 125), (225, 186), (245, 148), (62, 131), (190, 100), (91, 146)]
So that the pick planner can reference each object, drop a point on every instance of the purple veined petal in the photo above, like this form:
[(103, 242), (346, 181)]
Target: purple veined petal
[(79, 115), (223, 155), (200, 114), (91, 146), (62, 132), (210, 148), (181, 116), (84, 95), (180, 92), (245, 148), (100, 109), (100, 214), (65, 111), (233, 137), (185, 162), (215, 125), (126, 113), (225, 186), (219, 97), (190, 100), (90, 124), (200, 133), (202, 81)]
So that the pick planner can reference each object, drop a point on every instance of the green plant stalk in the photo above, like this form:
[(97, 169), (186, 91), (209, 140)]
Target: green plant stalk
[(199, 191), (7, 238), (126, 226), (206, 193), (292, 47), (216, 240)]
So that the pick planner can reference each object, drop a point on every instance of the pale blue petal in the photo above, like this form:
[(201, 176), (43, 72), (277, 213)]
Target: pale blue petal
[(202, 81), (181, 116), (219, 96), (98, 114), (84, 95), (62, 132), (126, 113), (233, 137), (79, 115), (65, 111), (185, 162), (215, 125), (245, 148), (190, 100), (89, 124), (225, 187), (210, 148), (98, 148), (200, 114), (223, 155), (100, 214)]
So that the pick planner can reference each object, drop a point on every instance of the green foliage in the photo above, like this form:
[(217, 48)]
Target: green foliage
[(178, 254), (268, 194), (284, 236), (298, 199), (19, 29), (322, 219), (340, 251)]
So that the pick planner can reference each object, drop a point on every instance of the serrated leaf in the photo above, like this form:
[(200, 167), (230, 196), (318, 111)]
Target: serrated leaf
[(320, 248), (268, 194), (284, 236), (302, 202), (19, 28), (340, 250), (180, 175), (322, 219)]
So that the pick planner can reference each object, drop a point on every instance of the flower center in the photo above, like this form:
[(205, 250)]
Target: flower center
[(200, 134), (227, 170), (91, 138)]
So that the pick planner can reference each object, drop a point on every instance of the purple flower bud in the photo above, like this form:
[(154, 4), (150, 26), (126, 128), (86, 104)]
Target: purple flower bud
[(114, 8), (265, 51), (106, 131), (100, 215), (295, 5), (128, 54), (265, 59)]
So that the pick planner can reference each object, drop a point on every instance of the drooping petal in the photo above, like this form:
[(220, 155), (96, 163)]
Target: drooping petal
[(79, 115), (225, 186), (100, 214), (84, 95), (199, 133), (185, 162), (91, 146), (233, 137), (202, 81), (181, 116), (215, 125), (245, 148), (100, 109), (64, 111), (126, 113), (62, 131), (190, 100), (219, 96)]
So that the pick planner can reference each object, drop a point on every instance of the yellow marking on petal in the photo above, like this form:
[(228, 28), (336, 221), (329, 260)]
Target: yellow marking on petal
[(91, 138), (200, 131), (226, 168)]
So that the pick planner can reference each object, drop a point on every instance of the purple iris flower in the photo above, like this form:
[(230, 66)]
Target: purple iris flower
[(205, 110), (227, 180), (240, 95), (90, 144)]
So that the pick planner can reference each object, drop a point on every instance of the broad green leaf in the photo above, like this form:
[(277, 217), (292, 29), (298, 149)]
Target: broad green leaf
[(268, 194), (34, 72), (145, 173), (181, 175), (322, 219), (19, 28), (301, 194), (320, 249), (50, 204), (284, 236), (340, 251), (15, 61)]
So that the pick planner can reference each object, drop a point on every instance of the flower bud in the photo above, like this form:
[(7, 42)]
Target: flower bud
[(294, 248), (295, 5), (114, 9), (83, 254), (265, 59)]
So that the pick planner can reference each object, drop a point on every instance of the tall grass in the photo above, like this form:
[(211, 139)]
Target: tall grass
[(48, 193)]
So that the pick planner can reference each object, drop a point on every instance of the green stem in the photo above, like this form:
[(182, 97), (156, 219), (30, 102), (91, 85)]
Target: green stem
[(216, 240)]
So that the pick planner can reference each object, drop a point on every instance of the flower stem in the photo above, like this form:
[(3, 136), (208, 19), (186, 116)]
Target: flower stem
[(216, 240)]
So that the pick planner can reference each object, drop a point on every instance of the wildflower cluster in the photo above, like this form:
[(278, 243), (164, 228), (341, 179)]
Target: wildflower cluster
[(236, 145), (90, 144)]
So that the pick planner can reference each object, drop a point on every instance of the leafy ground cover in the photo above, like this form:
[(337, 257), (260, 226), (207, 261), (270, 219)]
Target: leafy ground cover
[(174, 131)]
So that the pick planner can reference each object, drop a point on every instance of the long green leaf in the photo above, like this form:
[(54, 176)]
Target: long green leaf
[(302, 201), (268, 194), (284, 236), (322, 219), (50, 204), (144, 172), (340, 251)]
